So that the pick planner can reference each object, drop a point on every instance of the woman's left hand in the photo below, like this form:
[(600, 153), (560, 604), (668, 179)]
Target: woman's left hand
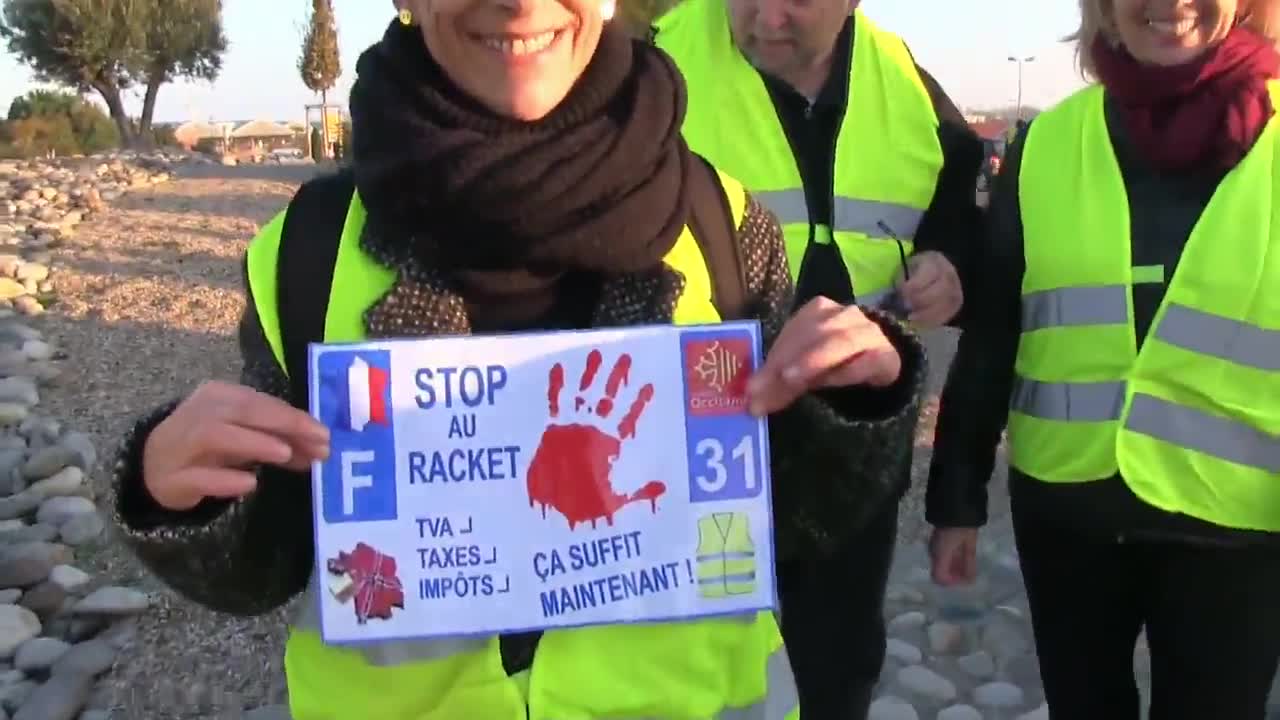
[(824, 345)]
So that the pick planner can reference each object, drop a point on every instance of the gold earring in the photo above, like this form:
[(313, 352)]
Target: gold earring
[(406, 17)]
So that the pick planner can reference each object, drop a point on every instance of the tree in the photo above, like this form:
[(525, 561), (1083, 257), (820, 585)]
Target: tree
[(40, 135), (109, 46), (183, 38), (320, 64), (85, 44), (92, 130)]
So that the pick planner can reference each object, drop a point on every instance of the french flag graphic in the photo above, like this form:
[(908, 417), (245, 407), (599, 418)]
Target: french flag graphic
[(366, 395)]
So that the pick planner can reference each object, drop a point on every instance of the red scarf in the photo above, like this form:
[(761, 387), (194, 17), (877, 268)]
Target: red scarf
[(1208, 112)]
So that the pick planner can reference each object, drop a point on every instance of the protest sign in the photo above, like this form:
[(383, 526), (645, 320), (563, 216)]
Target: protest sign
[(481, 485)]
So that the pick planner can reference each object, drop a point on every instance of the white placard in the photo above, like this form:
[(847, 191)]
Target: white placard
[(482, 485)]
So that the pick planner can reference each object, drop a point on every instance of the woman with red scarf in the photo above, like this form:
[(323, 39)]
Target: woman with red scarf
[(1127, 332)]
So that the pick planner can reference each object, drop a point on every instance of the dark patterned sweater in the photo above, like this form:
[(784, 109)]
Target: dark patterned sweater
[(835, 455)]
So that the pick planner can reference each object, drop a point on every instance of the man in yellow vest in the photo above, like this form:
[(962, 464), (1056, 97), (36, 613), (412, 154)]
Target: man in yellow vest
[(871, 171)]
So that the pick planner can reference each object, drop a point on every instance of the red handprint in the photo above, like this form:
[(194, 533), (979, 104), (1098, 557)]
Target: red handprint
[(571, 468)]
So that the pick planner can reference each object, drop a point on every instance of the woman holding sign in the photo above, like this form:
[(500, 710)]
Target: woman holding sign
[(517, 166)]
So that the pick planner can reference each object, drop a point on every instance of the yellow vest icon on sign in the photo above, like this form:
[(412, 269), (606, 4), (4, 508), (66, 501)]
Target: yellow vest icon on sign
[(726, 555)]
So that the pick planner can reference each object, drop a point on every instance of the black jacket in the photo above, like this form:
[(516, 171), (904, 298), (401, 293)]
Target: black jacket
[(1164, 209)]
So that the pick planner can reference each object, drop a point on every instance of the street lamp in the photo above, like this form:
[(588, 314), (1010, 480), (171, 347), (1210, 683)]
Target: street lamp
[(1020, 62)]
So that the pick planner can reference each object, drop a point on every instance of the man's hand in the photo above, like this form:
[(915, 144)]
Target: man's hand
[(933, 294), (954, 552)]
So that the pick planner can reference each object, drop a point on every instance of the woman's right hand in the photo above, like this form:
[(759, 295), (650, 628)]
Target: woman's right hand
[(208, 446)]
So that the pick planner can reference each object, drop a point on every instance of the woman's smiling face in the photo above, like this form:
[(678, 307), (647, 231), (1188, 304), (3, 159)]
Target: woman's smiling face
[(520, 58), (1172, 32)]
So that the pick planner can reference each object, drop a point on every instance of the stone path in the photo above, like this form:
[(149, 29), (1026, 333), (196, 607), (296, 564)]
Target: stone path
[(968, 653)]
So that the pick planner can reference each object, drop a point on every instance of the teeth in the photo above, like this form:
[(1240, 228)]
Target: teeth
[(521, 46), (1176, 28)]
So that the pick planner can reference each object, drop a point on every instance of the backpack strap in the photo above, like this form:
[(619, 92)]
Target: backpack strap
[(304, 272), (712, 222)]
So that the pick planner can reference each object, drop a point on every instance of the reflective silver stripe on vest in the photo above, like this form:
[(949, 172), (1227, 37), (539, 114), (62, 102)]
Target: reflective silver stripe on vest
[(1074, 306), (865, 216), (788, 205), (1220, 337), (1209, 434), (848, 215), (872, 300), (383, 654), (1078, 402)]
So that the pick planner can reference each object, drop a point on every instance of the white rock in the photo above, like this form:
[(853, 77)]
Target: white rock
[(80, 529), (903, 651), (980, 664), (892, 708), (959, 712), (998, 695), (112, 600), (69, 577), (66, 481), (17, 625), (57, 510), (907, 621), (39, 654), (923, 681), (1040, 713), (901, 593), (19, 389), (12, 413), (945, 638)]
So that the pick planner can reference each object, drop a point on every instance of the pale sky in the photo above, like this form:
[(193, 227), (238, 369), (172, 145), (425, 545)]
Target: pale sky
[(965, 45)]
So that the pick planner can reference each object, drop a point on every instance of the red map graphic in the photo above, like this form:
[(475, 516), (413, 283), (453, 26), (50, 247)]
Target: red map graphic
[(571, 468), (716, 373), (373, 582)]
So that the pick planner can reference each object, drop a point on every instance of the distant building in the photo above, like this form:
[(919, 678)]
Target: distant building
[(255, 139), (208, 137), (990, 128), (250, 141)]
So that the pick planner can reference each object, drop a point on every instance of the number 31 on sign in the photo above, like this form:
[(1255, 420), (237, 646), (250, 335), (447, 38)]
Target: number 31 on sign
[(724, 439)]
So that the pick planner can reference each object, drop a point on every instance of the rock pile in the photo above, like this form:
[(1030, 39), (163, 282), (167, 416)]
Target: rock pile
[(60, 629), (42, 201)]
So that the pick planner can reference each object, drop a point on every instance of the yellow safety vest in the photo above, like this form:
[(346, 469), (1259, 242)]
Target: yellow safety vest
[(887, 152), (726, 555), (732, 668), (1192, 421)]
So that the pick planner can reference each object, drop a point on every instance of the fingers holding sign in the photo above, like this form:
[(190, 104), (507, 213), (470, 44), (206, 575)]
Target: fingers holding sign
[(824, 345), (206, 445), (933, 293)]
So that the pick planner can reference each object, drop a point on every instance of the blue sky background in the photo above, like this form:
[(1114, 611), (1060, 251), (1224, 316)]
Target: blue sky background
[(965, 45)]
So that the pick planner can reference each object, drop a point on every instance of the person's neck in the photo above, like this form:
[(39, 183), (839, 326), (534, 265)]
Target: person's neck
[(808, 81)]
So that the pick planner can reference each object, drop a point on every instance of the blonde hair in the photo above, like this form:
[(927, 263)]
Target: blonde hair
[(1261, 16)]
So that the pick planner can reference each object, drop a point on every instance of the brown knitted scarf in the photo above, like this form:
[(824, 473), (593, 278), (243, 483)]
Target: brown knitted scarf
[(598, 184)]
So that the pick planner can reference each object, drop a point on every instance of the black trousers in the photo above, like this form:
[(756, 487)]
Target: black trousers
[(1211, 613), (833, 621)]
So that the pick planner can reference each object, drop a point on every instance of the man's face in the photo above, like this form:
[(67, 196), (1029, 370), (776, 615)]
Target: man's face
[(784, 37)]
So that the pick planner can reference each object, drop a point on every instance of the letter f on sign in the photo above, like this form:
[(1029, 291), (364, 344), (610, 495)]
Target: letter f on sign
[(351, 481)]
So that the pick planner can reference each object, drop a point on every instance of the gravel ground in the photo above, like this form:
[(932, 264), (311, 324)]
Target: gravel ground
[(149, 295)]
